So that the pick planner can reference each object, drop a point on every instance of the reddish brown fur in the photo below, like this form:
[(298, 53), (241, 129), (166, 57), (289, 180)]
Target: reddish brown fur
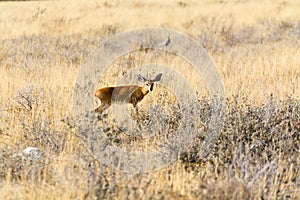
[(125, 94), (121, 94)]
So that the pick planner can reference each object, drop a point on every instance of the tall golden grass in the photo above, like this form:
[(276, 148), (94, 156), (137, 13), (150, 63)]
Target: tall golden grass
[(256, 46)]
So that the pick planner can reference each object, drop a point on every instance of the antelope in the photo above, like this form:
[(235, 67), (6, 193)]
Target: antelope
[(132, 94)]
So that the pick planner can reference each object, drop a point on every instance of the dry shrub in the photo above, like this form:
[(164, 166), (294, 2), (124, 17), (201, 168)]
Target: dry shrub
[(257, 154)]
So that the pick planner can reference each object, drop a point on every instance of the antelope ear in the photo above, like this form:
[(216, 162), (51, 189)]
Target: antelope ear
[(157, 78), (141, 78)]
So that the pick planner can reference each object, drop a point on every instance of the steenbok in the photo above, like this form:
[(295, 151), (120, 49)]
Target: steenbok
[(124, 94)]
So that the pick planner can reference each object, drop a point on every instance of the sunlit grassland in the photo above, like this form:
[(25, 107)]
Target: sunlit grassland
[(256, 47)]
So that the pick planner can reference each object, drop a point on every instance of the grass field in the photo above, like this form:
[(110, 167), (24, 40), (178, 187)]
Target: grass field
[(256, 47)]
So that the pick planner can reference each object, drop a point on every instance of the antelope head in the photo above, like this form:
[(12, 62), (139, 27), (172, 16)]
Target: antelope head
[(148, 87)]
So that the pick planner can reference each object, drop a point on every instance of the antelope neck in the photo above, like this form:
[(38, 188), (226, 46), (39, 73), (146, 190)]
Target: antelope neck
[(145, 90)]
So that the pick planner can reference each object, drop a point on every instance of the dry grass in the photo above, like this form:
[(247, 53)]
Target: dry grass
[(256, 47)]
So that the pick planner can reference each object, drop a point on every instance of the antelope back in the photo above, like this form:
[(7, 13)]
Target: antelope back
[(122, 94)]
